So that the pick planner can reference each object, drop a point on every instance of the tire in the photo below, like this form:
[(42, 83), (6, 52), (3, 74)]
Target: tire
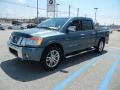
[(100, 46), (51, 58)]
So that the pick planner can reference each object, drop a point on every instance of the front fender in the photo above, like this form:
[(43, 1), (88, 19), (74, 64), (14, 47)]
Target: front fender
[(51, 42)]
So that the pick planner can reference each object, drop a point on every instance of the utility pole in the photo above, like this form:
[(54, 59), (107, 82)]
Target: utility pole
[(77, 12), (69, 10), (47, 9), (37, 13), (96, 9)]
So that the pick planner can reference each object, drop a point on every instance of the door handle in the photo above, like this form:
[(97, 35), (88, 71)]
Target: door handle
[(82, 34), (93, 33), (66, 39)]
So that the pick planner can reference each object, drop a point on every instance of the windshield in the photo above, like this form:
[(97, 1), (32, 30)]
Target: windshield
[(53, 24)]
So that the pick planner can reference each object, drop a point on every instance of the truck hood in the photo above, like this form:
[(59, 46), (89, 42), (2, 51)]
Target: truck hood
[(40, 32)]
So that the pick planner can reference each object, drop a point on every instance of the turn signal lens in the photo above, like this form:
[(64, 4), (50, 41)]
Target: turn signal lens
[(38, 40)]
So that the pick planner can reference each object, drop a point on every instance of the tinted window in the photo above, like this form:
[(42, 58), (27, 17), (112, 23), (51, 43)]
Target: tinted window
[(87, 25)]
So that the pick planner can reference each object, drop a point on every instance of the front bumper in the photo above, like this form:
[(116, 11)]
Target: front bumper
[(26, 53)]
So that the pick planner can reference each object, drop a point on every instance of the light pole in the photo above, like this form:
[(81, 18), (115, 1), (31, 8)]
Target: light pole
[(77, 12), (96, 9), (37, 13), (57, 9), (69, 10)]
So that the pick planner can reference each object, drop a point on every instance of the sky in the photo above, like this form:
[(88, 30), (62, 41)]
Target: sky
[(108, 12)]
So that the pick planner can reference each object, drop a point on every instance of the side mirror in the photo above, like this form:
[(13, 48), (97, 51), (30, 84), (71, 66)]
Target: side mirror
[(72, 28)]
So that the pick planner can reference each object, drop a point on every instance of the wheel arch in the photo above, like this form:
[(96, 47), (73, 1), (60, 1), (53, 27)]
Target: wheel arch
[(102, 38), (52, 44), (98, 40)]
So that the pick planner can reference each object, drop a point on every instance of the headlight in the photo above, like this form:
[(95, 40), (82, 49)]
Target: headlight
[(34, 41)]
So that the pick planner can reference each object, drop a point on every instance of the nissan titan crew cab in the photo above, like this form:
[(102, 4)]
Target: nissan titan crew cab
[(55, 38)]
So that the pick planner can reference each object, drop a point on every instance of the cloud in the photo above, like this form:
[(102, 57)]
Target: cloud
[(21, 1)]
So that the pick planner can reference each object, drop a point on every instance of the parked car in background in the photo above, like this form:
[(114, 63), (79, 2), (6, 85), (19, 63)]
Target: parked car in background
[(2, 27), (31, 25), (105, 28), (55, 38), (118, 29), (16, 27), (16, 23)]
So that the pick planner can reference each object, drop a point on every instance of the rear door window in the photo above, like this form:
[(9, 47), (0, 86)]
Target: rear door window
[(87, 25)]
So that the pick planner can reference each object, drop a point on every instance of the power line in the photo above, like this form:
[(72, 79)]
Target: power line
[(23, 5), (29, 6)]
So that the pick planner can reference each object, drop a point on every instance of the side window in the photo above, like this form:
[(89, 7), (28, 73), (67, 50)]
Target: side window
[(77, 24), (87, 25)]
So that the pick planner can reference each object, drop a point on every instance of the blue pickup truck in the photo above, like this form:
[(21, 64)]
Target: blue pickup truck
[(55, 38)]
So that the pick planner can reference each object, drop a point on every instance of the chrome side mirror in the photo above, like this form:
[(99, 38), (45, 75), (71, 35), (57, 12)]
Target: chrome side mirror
[(72, 28)]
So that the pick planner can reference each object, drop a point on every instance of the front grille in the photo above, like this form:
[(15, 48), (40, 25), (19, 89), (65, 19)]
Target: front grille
[(13, 51), (15, 39)]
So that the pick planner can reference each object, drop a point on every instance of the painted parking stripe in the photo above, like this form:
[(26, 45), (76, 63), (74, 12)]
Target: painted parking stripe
[(109, 75), (81, 70), (115, 48)]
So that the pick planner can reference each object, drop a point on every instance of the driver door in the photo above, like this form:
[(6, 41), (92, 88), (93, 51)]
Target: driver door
[(73, 39)]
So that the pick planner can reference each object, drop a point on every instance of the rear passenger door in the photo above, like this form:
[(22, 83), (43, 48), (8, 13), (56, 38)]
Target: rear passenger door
[(88, 33)]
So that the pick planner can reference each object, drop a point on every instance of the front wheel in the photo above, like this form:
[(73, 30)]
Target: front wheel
[(51, 58), (100, 46)]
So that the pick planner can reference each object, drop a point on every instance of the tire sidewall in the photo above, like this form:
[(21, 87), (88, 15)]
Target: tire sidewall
[(98, 50), (45, 53)]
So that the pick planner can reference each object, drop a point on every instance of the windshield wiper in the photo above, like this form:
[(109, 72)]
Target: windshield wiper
[(51, 28), (45, 27)]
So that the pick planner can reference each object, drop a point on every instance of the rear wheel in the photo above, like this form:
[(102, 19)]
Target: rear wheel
[(100, 46), (51, 58)]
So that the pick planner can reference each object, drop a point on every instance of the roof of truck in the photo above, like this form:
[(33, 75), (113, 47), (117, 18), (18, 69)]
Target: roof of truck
[(76, 18), (81, 18)]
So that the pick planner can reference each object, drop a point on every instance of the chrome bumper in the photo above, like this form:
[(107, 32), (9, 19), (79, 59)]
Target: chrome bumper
[(26, 53), (18, 49)]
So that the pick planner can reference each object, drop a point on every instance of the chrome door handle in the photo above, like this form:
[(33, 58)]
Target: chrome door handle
[(82, 34)]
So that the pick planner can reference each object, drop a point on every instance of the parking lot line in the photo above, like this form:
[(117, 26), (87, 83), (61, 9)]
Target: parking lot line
[(81, 70), (109, 75), (115, 48)]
